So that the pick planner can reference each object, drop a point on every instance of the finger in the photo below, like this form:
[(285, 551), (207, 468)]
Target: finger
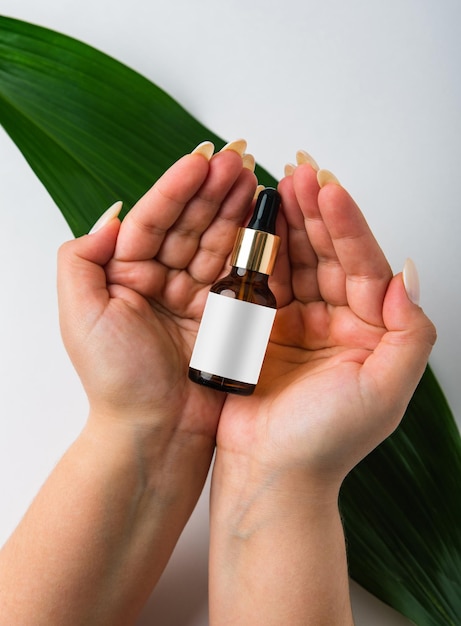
[(213, 248), (144, 228), (300, 253), (357, 253), (280, 282), (330, 275), (220, 196), (210, 253), (394, 369), (82, 285)]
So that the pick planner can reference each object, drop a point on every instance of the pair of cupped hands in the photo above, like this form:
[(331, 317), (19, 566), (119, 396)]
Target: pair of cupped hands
[(348, 346)]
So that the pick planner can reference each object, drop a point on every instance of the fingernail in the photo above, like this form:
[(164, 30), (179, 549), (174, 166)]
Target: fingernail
[(258, 190), (111, 213), (304, 157), (411, 281), (239, 146), (289, 169), (324, 177), (206, 149), (249, 162)]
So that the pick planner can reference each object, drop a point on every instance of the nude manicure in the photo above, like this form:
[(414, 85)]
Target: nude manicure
[(206, 149), (249, 162), (111, 213), (324, 177), (239, 146), (289, 169), (411, 281), (258, 190), (304, 157)]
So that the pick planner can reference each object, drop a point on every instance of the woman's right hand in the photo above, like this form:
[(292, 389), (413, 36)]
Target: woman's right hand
[(131, 295)]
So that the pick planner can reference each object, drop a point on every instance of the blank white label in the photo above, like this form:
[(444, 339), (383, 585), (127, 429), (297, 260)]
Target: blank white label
[(232, 338)]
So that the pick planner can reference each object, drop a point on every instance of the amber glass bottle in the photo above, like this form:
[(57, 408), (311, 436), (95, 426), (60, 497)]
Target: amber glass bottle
[(240, 309)]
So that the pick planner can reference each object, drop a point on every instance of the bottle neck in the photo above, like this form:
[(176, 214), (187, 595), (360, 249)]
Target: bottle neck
[(250, 276)]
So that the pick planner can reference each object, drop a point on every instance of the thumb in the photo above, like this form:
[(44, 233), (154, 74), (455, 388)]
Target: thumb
[(82, 284), (400, 358)]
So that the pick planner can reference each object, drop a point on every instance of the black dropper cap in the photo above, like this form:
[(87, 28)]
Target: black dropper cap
[(256, 246), (266, 209)]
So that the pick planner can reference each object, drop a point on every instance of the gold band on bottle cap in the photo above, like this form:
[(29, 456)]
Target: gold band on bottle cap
[(255, 250)]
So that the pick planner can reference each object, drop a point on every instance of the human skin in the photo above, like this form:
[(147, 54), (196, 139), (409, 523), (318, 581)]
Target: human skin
[(347, 350), (97, 537), (346, 353)]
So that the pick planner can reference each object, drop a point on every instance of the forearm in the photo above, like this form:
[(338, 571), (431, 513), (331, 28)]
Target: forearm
[(277, 553), (101, 530)]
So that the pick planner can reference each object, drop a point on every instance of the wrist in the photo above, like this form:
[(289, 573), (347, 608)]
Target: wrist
[(102, 528), (277, 532), (167, 463), (241, 478), (249, 499)]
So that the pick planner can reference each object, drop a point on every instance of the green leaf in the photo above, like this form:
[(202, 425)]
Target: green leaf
[(95, 131), (402, 513)]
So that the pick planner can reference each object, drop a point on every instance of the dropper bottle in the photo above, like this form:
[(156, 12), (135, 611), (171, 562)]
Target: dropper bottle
[(240, 308)]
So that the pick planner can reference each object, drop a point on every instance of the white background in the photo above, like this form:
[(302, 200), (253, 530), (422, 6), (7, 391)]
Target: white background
[(371, 89)]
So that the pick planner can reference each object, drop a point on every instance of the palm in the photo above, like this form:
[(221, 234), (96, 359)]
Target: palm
[(305, 395), (312, 398), (143, 354), (170, 249)]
